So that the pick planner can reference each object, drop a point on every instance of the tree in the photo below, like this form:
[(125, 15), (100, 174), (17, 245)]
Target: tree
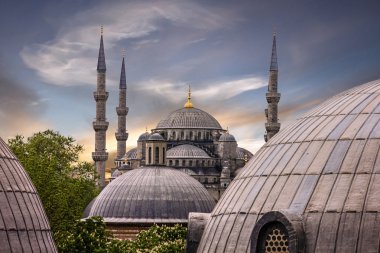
[(91, 235), (64, 184)]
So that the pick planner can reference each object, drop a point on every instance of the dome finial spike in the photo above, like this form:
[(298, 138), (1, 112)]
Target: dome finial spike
[(146, 129), (189, 104), (101, 30)]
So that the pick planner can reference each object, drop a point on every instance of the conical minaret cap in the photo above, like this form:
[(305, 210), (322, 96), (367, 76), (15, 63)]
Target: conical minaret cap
[(273, 62), (123, 82), (101, 58)]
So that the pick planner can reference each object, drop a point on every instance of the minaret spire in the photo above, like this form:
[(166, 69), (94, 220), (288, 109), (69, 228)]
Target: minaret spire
[(100, 156), (122, 111), (273, 97)]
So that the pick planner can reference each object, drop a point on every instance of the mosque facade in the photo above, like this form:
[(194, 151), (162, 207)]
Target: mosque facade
[(188, 139)]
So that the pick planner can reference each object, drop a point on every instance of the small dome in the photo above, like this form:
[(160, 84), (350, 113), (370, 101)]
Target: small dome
[(242, 154), (152, 195), (24, 226), (186, 151), (156, 137), (116, 173), (317, 180), (144, 136), (189, 118), (131, 154), (227, 137)]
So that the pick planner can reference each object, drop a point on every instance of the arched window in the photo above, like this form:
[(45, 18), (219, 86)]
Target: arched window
[(150, 155), (278, 231), (197, 163), (174, 135), (207, 135), (170, 162), (182, 135), (206, 180), (199, 135), (191, 135), (190, 163), (176, 163), (273, 237), (157, 155), (163, 155)]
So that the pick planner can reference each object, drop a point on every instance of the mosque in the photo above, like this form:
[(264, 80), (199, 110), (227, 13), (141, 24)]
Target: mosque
[(183, 165), (188, 139)]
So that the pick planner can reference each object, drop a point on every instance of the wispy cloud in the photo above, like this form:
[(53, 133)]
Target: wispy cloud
[(68, 59), (217, 91)]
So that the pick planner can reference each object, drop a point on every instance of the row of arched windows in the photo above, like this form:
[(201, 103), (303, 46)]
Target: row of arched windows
[(191, 163), (192, 135)]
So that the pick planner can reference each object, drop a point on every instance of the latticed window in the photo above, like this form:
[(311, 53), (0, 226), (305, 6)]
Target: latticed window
[(273, 238)]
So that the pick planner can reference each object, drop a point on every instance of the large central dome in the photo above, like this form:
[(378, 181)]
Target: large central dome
[(189, 118)]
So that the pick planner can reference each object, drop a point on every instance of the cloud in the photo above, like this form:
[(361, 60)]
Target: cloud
[(174, 91), (69, 58), (20, 109)]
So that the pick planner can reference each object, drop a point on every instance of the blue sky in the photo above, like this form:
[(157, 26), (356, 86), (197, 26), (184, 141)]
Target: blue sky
[(48, 58)]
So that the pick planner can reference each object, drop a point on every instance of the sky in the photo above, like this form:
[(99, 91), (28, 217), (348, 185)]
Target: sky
[(49, 49)]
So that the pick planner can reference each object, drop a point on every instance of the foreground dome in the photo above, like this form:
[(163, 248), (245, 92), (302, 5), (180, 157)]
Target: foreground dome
[(24, 226), (151, 195), (186, 151), (189, 118), (315, 185)]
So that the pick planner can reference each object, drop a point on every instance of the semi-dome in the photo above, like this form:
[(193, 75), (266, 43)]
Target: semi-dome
[(189, 118), (131, 154), (186, 151), (24, 226), (243, 154), (156, 137), (152, 195), (144, 136), (227, 137), (316, 184)]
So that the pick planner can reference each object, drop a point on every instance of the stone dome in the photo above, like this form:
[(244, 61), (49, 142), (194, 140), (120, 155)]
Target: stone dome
[(24, 226), (156, 137), (189, 118), (144, 136), (151, 195), (186, 151), (227, 137), (131, 154), (316, 184), (242, 153)]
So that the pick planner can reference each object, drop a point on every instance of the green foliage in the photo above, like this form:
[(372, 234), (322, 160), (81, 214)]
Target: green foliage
[(91, 236), (86, 236), (64, 184)]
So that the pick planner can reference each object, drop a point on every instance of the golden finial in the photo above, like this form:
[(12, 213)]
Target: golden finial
[(274, 31), (101, 30), (188, 103), (245, 158), (146, 129)]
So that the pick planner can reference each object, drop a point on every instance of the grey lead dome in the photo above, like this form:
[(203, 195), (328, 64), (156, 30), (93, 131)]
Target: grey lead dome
[(24, 226), (189, 118), (186, 151), (151, 195), (324, 169)]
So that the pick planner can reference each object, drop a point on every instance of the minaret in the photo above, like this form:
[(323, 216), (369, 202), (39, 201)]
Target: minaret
[(273, 97), (100, 125), (122, 111)]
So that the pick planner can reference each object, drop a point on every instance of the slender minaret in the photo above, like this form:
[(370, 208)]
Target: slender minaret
[(122, 111), (273, 97), (100, 125)]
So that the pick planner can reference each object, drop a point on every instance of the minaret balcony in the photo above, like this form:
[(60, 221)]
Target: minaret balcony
[(273, 97), (100, 125), (272, 126), (99, 156), (120, 136), (122, 111), (100, 95)]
